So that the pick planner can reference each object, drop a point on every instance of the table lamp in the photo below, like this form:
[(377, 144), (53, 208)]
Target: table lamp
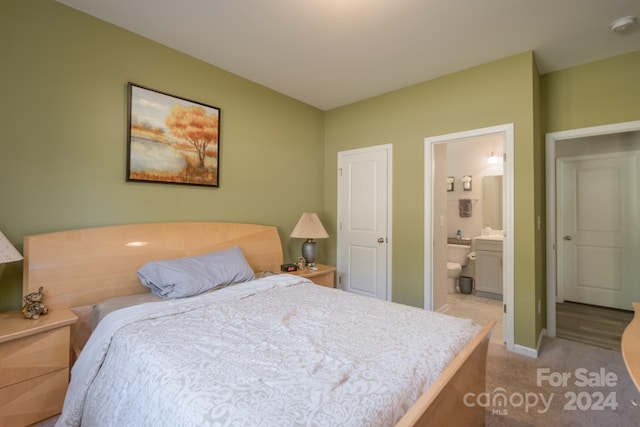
[(8, 253), (309, 227)]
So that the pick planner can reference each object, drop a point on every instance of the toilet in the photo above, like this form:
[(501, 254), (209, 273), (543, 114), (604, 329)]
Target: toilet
[(457, 256)]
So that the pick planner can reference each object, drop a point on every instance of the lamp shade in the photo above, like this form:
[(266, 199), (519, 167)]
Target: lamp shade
[(309, 227), (7, 252)]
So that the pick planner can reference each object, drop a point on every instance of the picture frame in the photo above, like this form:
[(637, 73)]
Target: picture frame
[(466, 183), (450, 181), (171, 139)]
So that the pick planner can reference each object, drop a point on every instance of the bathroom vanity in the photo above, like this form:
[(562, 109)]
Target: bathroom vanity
[(489, 266)]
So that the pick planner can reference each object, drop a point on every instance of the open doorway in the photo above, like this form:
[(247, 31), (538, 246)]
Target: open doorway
[(595, 170), (436, 227)]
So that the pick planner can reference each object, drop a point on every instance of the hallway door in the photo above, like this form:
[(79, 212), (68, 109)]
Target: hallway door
[(597, 235), (364, 221)]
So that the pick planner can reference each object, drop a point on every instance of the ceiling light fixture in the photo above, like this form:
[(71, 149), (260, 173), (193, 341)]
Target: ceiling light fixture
[(621, 25)]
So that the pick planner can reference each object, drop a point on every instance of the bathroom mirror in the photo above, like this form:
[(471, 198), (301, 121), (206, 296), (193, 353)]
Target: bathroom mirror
[(492, 201)]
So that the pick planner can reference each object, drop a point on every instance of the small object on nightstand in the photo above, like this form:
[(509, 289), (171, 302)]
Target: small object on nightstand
[(301, 263), (34, 305), (288, 267)]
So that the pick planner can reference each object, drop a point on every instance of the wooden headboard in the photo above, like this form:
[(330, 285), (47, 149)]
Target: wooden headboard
[(85, 266)]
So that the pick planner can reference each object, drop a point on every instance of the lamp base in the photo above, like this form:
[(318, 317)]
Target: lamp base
[(310, 252)]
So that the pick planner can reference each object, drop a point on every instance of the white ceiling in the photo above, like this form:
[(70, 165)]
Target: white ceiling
[(330, 53)]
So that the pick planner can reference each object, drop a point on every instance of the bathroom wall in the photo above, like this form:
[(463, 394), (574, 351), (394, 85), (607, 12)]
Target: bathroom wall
[(469, 157)]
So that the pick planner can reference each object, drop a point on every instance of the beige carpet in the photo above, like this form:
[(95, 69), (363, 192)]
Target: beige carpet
[(517, 376)]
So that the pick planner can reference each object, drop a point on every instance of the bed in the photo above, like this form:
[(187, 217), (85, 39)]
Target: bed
[(630, 346), (273, 349)]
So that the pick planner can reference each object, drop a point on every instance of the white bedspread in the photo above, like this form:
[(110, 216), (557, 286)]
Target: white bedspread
[(278, 351)]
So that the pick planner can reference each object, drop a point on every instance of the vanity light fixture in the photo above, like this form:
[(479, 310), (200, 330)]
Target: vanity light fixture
[(493, 159)]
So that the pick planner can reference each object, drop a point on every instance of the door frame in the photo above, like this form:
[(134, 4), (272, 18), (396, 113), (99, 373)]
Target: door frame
[(341, 154), (552, 257), (507, 132)]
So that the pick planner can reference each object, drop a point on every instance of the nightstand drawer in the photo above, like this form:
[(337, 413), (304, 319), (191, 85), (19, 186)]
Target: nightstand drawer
[(30, 401), (324, 275), (33, 356), (326, 279)]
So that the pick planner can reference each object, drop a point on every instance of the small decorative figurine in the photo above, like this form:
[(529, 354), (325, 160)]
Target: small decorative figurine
[(34, 305), (301, 263)]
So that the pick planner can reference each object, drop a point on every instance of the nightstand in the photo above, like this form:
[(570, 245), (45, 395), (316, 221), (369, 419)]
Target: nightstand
[(323, 276), (34, 365)]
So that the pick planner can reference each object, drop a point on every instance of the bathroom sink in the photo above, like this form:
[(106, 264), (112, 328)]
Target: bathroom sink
[(489, 242), (462, 241), (491, 237)]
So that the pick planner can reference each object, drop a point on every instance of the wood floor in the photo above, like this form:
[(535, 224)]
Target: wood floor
[(589, 324)]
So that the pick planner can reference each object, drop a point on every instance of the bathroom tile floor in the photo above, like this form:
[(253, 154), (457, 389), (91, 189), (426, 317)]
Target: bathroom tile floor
[(480, 310)]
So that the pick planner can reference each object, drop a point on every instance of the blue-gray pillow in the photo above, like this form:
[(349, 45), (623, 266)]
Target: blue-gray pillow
[(184, 277)]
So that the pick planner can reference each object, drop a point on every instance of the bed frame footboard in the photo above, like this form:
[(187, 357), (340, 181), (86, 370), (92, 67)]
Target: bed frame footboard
[(444, 402)]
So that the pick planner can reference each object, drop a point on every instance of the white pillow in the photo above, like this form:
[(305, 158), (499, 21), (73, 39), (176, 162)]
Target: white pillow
[(184, 277)]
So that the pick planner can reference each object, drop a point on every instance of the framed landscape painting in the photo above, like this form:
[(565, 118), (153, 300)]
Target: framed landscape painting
[(172, 139)]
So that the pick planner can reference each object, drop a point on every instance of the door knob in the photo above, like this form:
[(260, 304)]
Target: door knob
[(566, 238), (380, 239)]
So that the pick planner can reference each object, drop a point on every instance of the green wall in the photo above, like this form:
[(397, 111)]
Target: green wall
[(505, 91), (492, 94), (593, 94), (63, 115), (63, 150)]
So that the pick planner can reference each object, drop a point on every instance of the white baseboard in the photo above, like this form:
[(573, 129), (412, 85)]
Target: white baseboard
[(528, 351), (525, 351), (543, 333)]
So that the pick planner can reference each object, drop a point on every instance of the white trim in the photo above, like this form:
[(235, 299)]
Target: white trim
[(528, 351), (428, 224), (389, 232), (550, 147), (525, 351), (543, 333), (507, 130)]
